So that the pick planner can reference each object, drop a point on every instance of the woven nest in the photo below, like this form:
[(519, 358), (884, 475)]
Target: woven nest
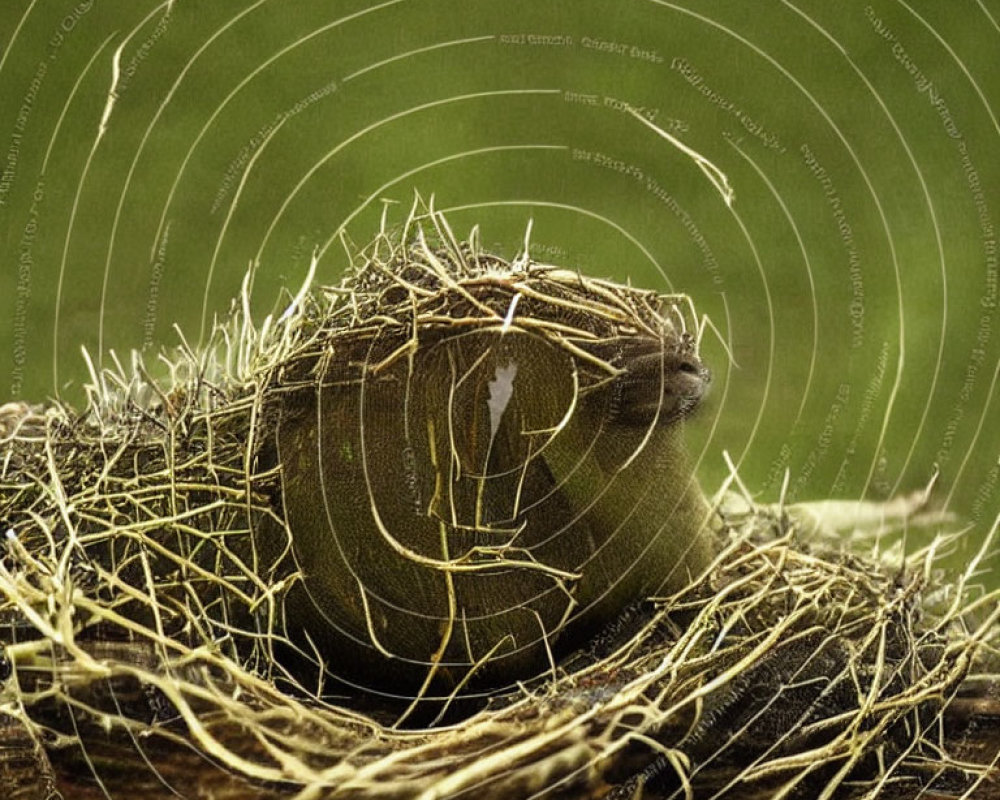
[(157, 611)]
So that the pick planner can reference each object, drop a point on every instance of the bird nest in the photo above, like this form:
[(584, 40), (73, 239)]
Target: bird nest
[(149, 568)]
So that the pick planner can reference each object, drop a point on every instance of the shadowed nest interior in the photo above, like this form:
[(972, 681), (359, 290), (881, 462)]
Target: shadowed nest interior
[(239, 580)]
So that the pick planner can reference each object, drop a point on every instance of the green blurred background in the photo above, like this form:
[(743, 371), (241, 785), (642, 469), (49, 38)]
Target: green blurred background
[(151, 151)]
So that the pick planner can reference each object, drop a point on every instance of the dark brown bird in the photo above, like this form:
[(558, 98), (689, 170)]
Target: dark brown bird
[(482, 467)]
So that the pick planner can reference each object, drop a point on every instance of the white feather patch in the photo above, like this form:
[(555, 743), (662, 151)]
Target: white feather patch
[(501, 389)]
